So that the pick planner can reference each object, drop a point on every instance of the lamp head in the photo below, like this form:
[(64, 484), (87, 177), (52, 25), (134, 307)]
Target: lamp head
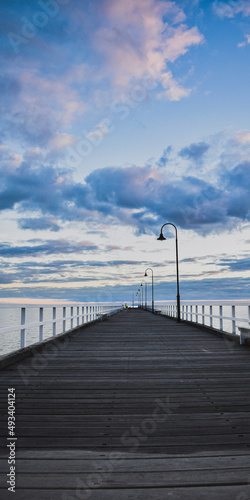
[(145, 274), (161, 237)]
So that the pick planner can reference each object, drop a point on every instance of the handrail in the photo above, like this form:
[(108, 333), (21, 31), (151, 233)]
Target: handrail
[(197, 313), (85, 313)]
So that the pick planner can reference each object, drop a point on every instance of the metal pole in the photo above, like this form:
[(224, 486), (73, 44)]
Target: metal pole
[(153, 304), (177, 268)]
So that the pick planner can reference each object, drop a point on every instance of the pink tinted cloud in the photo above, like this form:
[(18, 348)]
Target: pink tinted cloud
[(135, 39)]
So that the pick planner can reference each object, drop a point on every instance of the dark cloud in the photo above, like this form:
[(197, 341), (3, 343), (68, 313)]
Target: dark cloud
[(195, 151), (38, 224), (45, 248), (212, 289), (141, 197), (165, 157), (236, 264)]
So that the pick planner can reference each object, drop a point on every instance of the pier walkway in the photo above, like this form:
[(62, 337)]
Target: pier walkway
[(137, 407)]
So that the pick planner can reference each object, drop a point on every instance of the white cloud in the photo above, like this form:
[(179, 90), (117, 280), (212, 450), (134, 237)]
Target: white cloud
[(243, 137), (231, 9), (9, 159), (243, 44), (61, 141)]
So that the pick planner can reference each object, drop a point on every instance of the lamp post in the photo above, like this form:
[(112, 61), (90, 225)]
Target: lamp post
[(149, 268), (161, 238), (133, 300), (141, 295), (145, 292)]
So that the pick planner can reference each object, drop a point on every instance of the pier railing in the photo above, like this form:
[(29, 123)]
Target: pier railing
[(224, 316), (29, 324)]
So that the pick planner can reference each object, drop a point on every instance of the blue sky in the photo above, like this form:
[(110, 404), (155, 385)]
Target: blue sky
[(116, 118)]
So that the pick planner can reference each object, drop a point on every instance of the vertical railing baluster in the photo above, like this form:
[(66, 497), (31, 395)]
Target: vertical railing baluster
[(64, 321), (54, 321), (191, 313), (203, 315), (221, 318), (23, 331), (233, 320), (196, 314), (186, 313), (77, 312), (71, 317), (211, 316), (40, 326), (82, 315)]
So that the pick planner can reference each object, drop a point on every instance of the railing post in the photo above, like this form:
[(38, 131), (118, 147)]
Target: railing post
[(82, 315), (191, 313), (186, 313), (71, 317), (203, 315), (248, 314), (196, 314), (23, 332), (233, 320), (54, 322), (211, 316), (64, 321), (183, 316), (40, 326), (77, 312), (221, 318)]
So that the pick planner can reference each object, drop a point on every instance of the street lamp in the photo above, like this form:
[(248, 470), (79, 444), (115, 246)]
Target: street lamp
[(133, 300), (149, 268), (143, 281), (141, 290), (139, 296), (161, 238)]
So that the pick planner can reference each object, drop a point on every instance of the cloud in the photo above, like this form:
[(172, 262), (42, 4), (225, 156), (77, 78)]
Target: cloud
[(164, 158), (48, 247), (243, 138), (239, 264), (39, 224), (212, 289), (42, 106), (141, 38), (247, 41), (138, 196), (195, 151), (232, 8)]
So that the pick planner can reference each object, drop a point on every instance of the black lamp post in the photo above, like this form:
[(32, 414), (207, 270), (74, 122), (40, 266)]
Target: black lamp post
[(161, 238), (149, 268), (145, 292), (133, 300), (141, 290)]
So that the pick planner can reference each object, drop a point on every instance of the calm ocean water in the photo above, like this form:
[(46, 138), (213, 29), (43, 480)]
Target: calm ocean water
[(10, 317)]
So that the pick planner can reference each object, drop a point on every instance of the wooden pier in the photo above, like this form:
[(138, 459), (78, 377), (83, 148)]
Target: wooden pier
[(137, 407)]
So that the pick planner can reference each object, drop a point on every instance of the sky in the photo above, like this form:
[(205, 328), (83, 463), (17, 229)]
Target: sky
[(117, 117)]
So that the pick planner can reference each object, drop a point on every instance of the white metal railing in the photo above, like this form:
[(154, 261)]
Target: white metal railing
[(224, 316), (44, 321)]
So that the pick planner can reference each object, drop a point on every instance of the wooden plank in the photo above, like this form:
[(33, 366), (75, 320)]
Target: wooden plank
[(73, 406)]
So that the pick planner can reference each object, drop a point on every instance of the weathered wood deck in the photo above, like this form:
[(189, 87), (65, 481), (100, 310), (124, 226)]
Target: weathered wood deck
[(136, 407)]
